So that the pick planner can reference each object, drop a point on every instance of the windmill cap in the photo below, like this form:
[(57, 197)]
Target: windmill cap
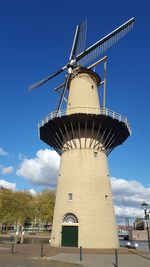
[(91, 73)]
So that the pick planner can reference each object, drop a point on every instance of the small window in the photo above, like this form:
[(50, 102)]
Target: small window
[(70, 196), (92, 86), (106, 198), (95, 154)]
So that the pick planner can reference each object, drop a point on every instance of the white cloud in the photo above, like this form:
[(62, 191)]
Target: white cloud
[(32, 191), (7, 185), (128, 196), (42, 169), (21, 156), (7, 170), (3, 152), (131, 212)]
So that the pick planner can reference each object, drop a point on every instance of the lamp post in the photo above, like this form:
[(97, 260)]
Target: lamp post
[(144, 205)]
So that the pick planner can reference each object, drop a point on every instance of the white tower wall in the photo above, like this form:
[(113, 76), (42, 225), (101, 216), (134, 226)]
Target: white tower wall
[(83, 93), (87, 178), (84, 173)]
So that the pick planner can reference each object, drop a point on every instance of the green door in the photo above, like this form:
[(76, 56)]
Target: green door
[(69, 236)]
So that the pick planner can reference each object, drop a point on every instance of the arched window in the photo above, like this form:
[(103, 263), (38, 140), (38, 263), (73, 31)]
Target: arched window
[(70, 218)]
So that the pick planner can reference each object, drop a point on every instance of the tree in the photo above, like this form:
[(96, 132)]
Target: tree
[(23, 203), (17, 206), (6, 206), (45, 205)]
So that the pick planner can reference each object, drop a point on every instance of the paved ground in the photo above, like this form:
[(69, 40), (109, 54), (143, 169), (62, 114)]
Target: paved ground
[(94, 260), (29, 256), (12, 261)]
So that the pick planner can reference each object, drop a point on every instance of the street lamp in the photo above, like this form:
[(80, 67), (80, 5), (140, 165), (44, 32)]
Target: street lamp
[(144, 206), (146, 217)]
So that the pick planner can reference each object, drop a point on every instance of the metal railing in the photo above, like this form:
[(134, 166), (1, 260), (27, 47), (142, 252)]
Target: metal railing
[(84, 110)]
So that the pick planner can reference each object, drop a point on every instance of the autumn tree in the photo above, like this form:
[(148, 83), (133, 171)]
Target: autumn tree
[(45, 205), (23, 203), (17, 206), (6, 206)]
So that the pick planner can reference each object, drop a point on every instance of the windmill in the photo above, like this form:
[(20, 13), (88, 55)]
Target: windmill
[(84, 134)]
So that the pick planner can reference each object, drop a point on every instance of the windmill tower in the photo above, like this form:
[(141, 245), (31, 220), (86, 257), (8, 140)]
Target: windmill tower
[(84, 134)]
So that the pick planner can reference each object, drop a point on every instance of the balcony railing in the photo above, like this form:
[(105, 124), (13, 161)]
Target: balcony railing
[(101, 111)]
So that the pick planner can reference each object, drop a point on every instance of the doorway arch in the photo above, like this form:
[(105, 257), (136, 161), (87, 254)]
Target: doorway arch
[(69, 230)]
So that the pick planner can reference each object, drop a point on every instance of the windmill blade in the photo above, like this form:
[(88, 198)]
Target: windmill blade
[(35, 85), (79, 40), (63, 92), (105, 43)]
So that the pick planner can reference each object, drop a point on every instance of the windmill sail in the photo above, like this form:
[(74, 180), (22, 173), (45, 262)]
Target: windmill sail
[(82, 57), (35, 85), (104, 44), (79, 40)]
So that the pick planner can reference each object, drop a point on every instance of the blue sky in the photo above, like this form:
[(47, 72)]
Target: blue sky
[(35, 41)]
